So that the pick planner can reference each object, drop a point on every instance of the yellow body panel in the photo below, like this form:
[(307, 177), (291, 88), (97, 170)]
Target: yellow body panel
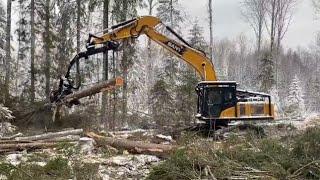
[(249, 111)]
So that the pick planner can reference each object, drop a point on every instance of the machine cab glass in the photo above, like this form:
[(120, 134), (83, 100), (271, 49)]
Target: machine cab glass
[(215, 97)]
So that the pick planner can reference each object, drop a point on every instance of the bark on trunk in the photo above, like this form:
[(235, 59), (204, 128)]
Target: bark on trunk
[(125, 62), (136, 147), (211, 30), (8, 52), (32, 50), (105, 97), (78, 37), (47, 48)]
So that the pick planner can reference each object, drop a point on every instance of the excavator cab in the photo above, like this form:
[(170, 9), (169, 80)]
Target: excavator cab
[(222, 102), (214, 98)]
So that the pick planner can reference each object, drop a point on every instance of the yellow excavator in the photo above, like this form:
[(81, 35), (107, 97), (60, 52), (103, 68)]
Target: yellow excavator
[(218, 101)]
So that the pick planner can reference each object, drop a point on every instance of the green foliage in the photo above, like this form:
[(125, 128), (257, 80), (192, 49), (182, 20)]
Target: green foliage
[(178, 166), (161, 101), (67, 149), (247, 158), (57, 169), (85, 171)]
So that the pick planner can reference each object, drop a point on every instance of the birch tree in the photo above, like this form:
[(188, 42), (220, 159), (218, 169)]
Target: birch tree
[(285, 10), (254, 11)]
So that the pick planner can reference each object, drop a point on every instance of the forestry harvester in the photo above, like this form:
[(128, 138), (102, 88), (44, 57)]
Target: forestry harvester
[(218, 101)]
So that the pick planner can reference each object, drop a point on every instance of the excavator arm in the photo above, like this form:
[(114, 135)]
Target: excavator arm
[(147, 25)]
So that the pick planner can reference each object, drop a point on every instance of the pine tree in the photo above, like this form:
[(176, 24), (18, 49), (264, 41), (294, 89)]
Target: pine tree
[(295, 106), (162, 103), (170, 14), (196, 39), (266, 75), (186, 99)]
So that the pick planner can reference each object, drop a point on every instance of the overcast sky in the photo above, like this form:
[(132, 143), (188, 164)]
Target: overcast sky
[(229, 23)]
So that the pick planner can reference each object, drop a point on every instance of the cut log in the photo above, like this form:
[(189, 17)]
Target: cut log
[(11, 137), (135, 147), (100, 87), (13, 142), (50, 135), (95, 89), (69, 138), (27, 146)]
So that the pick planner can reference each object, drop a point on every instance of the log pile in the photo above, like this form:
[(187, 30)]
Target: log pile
[(48, 140), (18, 142)]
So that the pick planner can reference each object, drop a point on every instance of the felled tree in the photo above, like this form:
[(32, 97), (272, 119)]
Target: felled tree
[(295, 106)]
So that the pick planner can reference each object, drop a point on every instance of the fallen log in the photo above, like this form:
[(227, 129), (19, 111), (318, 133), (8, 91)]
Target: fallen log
[(135, 147), (27, 146), (97, 88), (50, 135), (69, 138), (13, 142), (11, 137)]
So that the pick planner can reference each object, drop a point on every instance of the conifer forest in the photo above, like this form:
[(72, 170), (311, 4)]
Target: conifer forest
[(159, 89)]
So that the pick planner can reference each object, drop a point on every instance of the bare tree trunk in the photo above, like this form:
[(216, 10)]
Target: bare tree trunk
[(125, 67), (47, 49), (211, 30), (78, 37), (273, 25), (150, 74), (105, 97), (260, 35), (8, 52), (32, 50)]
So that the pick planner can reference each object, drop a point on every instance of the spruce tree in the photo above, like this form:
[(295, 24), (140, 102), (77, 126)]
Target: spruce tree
[(295, 106)]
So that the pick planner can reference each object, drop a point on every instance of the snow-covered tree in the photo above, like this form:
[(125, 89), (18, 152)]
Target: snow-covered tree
[(295, 106), (196, 38), (5, 114), (276, 101)]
